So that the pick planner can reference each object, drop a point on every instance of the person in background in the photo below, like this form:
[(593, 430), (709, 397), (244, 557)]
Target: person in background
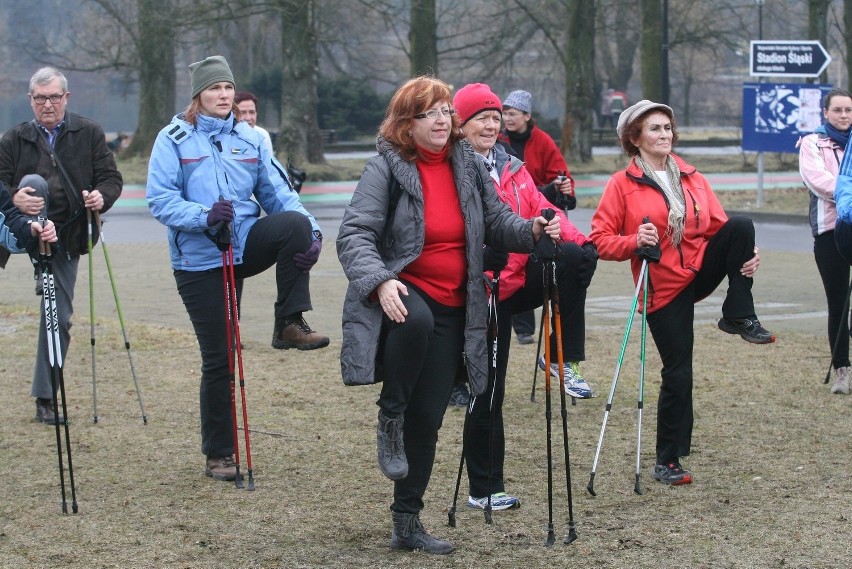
[(410, 244), (207, 170), (696, 246), (520, 288), (59, 162), (820, 155), (247, 104), (544, 161)]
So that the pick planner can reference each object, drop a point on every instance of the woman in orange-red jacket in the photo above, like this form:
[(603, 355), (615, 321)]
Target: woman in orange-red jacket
[(694, 246)]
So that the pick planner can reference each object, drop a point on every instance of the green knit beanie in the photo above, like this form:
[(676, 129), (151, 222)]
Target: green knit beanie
[(212, 70)]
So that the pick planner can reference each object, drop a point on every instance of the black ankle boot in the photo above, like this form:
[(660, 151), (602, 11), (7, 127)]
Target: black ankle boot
[(390, 448), (409, 533)]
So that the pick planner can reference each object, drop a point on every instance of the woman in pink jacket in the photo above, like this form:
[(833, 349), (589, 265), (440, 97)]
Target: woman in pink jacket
[(820, 155), (698, 247), (521, 288)]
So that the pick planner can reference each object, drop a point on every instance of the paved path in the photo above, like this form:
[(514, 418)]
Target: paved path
[(587, 185)]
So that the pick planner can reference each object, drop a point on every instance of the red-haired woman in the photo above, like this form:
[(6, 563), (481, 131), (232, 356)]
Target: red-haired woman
[(411, 246)]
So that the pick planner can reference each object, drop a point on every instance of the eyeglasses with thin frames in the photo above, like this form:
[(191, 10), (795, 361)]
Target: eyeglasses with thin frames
[(42, 99), (434, 113), (839, 110)]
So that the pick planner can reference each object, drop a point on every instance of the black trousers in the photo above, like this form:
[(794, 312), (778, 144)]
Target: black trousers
[(834, 272), (420, 358), (485, 474), (672, 330), (273, 240)]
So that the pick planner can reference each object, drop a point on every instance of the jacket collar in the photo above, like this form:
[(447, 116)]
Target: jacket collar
[(71, 123), (686, 169)]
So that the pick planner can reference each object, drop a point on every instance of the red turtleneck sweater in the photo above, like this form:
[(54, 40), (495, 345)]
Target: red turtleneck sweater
[(441, 269)]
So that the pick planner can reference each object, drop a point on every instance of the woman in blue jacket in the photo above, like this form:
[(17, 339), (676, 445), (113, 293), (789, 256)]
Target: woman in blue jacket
[(207, 169)]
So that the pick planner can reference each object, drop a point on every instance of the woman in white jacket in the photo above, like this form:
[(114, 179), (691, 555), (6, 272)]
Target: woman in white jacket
[(820, 155)]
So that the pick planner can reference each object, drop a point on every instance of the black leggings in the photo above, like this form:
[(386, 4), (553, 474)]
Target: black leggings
[(672, 330), (834, 271), (420, 358)]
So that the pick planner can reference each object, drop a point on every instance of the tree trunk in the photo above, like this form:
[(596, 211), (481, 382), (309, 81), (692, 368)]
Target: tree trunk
[(652, 40), (577, 123), (423, 38), (847, 36), (818, 26), (156, 52), (299, 136)]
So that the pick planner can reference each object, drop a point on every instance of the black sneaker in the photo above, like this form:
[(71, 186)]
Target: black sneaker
[(672, 474), (460, 397), (749, 328)]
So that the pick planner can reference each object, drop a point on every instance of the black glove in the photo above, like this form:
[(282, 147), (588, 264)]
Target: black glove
[(494, 259), (222, 210), (649, 253), (586, 268)]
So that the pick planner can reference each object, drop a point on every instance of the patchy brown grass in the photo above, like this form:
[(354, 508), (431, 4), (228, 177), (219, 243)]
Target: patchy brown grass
[(771, 452)]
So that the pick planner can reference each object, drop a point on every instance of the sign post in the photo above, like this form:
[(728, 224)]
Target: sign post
[(779, 58)]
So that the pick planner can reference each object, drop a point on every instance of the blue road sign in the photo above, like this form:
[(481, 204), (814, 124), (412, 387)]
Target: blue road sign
[(775, 115), (784, 58)]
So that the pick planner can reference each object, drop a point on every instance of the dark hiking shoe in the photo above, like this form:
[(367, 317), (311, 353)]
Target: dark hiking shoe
[(460, 397), (295, 333), (749, 328), (44, 412), (672, 474), (409, 534), (221, 468), (390, 448)]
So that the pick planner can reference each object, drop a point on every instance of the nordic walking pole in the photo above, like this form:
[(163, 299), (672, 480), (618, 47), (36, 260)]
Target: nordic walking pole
[(637, 488), (232, 321), (97, 217), (535, 365), (54, 351), (451, 512), (492, 374), (839, 328), (239, 349), (591, 486), (557, 328), (223, 242), (92, 317), (545, 251)]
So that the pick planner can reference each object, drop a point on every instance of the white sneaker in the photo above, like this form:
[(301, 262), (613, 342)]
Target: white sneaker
[(575, 385), (499, 501), (841, 381)]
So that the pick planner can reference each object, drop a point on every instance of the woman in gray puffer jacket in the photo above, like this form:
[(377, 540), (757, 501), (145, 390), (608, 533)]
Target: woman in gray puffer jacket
[(411, 246)]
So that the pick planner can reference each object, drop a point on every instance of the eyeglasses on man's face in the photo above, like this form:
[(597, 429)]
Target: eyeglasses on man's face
[(42, 99), (433, 114)]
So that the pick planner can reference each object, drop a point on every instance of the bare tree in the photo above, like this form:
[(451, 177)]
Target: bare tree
[(652, 40), (423, 38), (156, 61), (299, 134), (580, 97)]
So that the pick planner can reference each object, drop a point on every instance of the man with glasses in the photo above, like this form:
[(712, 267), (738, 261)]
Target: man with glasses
[(58, 163)]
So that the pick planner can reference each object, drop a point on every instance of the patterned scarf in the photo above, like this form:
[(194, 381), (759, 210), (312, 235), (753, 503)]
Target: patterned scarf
[(674, 195)]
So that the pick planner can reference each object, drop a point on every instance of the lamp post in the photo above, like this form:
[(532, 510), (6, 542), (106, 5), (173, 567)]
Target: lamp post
[(664, 55), (760, 158)]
